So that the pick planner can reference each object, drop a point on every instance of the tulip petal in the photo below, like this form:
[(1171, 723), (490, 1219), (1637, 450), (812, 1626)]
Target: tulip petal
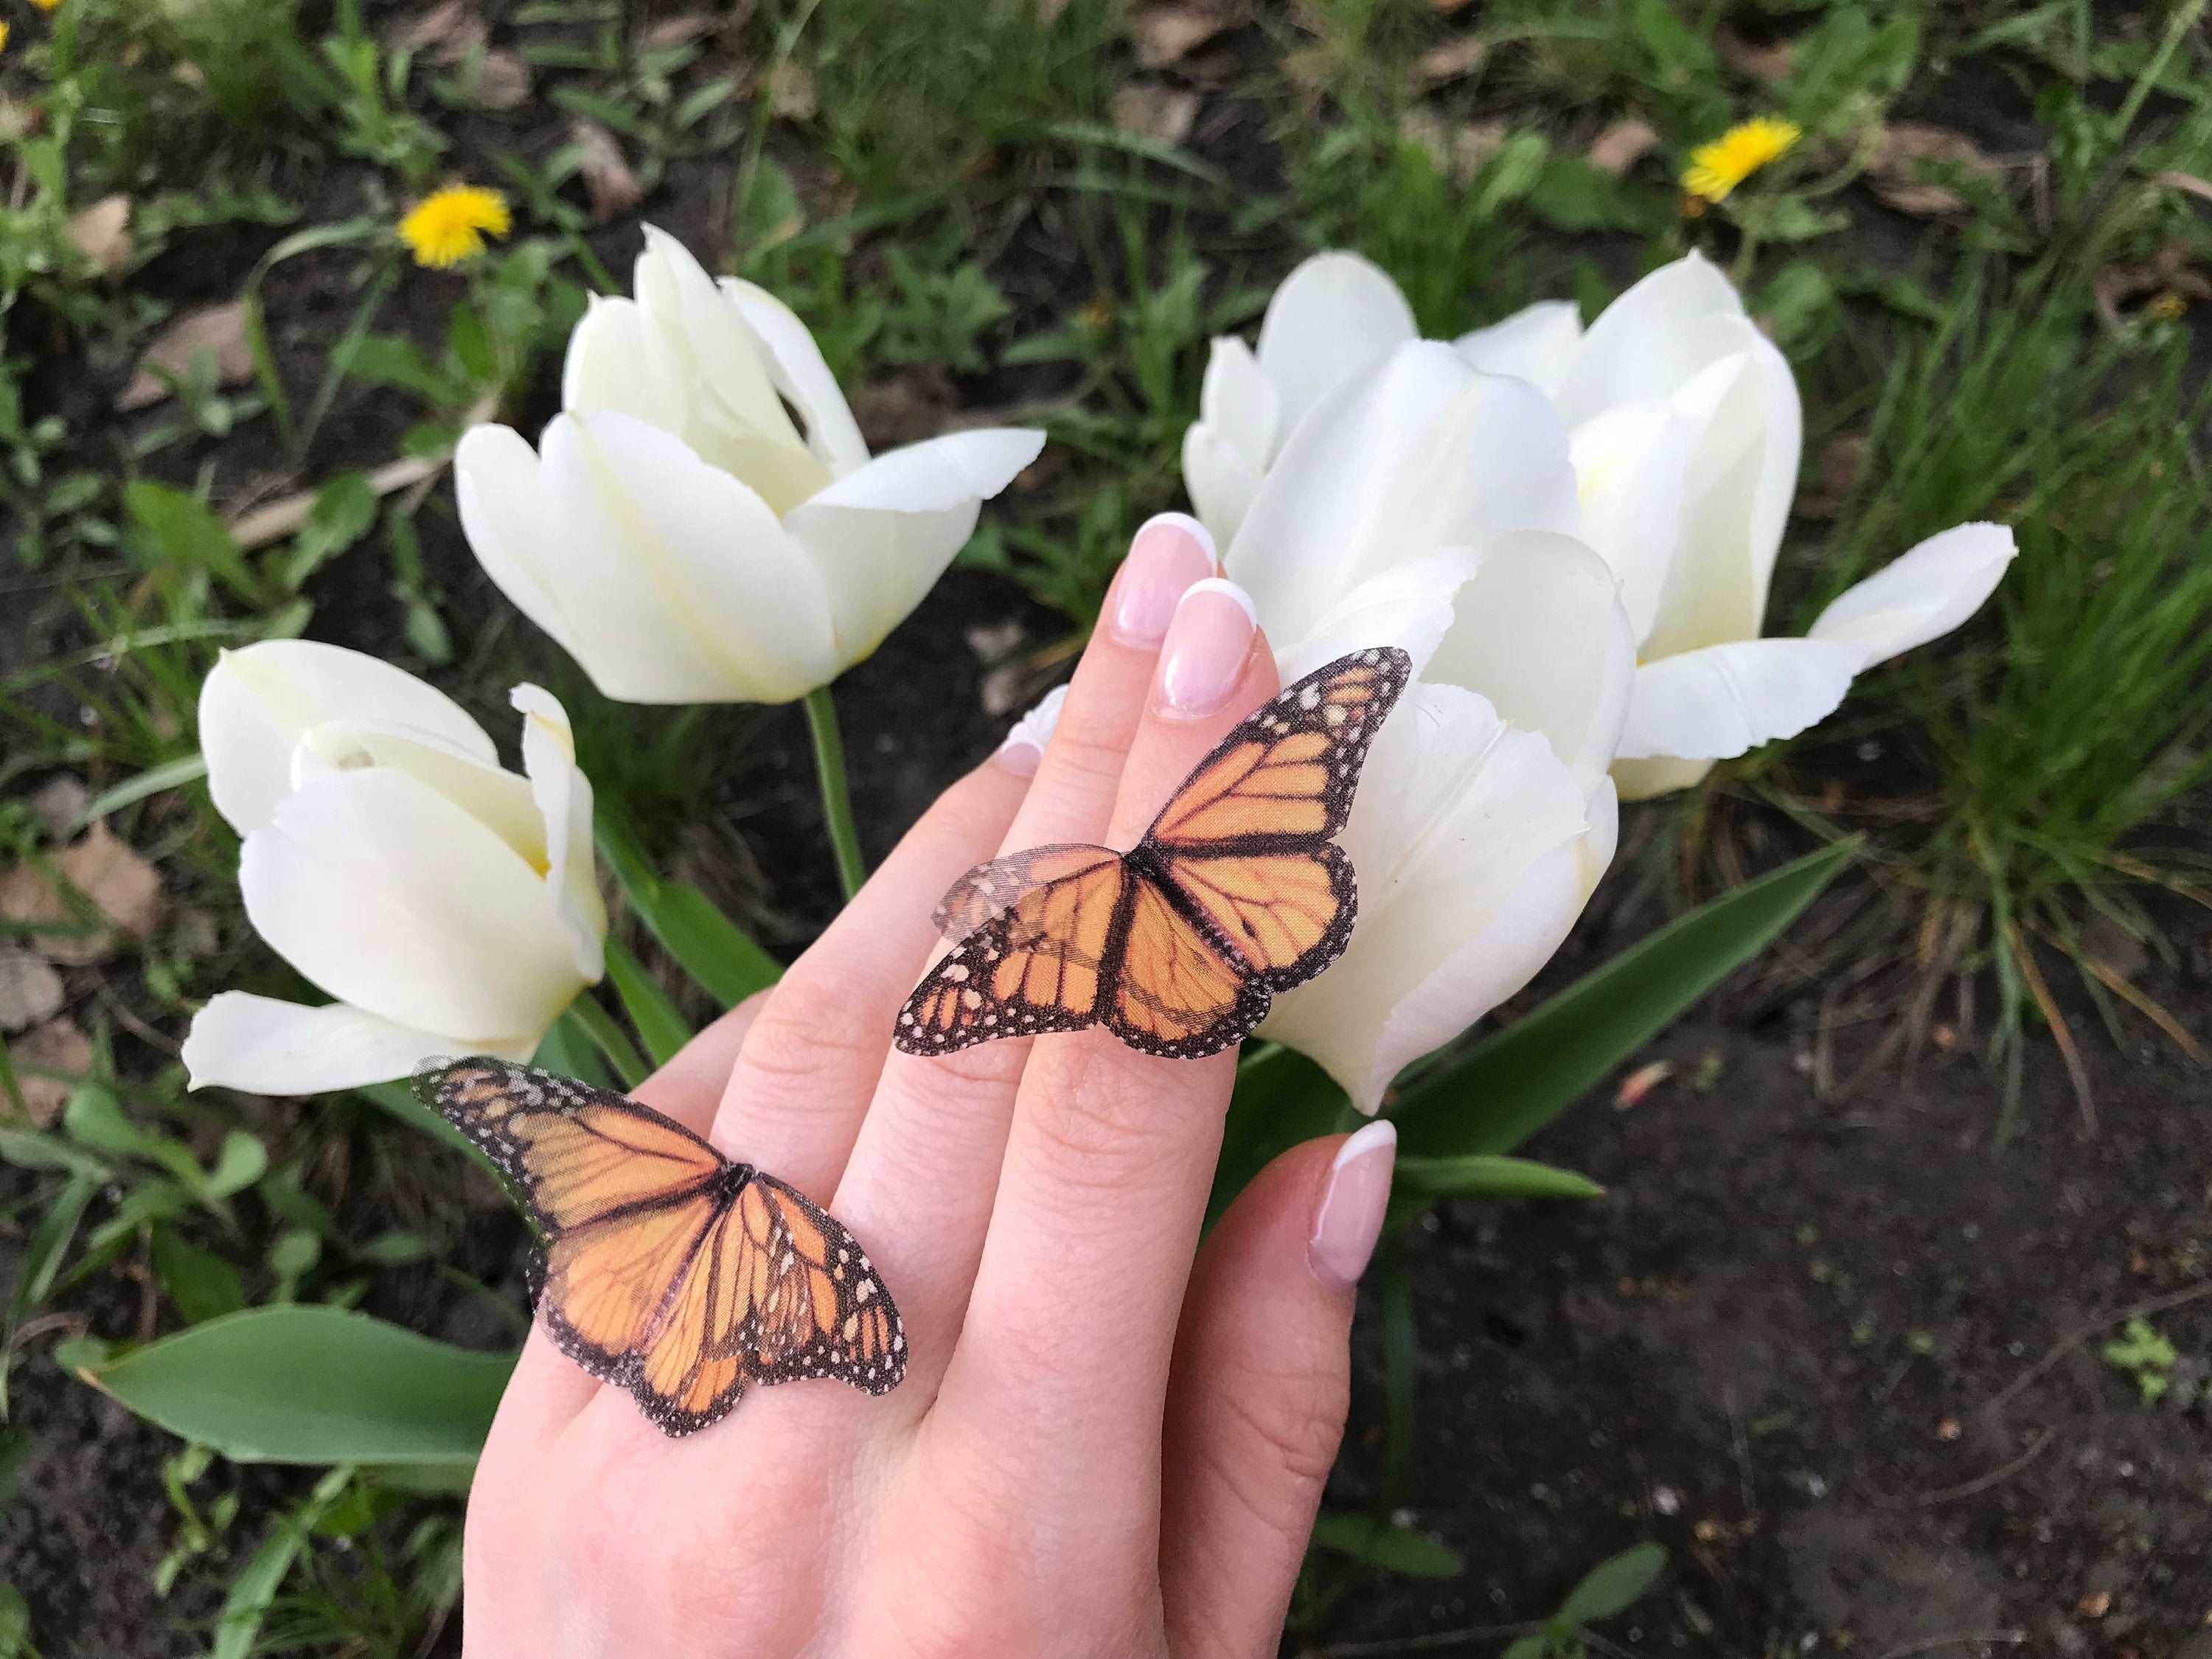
[(732, 369), (500, 484), (487, 792), (1332, 318), (1647, 342), (1725, 699), (882, 536), (563, 795), (1466, 838), (257, 702), (1743, 471), (1644, 780), (1533, 345), (801, 375), (1921, 596), (266, 1047), (1539, 632), (1410, 607), (389, 897), (1631, 465), (681, 586), (1226, 450), (614, 361), (1416, 454)]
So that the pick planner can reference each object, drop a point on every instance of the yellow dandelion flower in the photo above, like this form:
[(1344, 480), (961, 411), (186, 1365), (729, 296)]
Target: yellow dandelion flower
[(1717, 168), (2168, 307), (45, 5), (4, 37), (450, 225)]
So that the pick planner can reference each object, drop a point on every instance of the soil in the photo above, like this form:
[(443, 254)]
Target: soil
[(1842, 1359)]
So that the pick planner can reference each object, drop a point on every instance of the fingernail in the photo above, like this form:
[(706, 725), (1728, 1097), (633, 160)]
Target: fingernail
[(1166, 556), (1350, 1219), (1024, 747), (1206, 645)]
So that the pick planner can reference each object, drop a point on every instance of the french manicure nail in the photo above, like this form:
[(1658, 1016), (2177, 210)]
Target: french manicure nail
[(1206, 645), (1166, 556), (1349, 1217)]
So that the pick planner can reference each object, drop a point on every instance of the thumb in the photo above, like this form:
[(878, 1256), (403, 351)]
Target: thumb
[(1261, 1381)]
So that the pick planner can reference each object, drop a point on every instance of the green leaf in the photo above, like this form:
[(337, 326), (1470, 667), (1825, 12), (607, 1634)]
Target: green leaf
[(713, 950), (174, 529), (1487, 1176), (254, 1590), (49, 1246), (1510, 1084), (1525, 1647), (1379, 1544), (169, 775), (652, 1014), (14, 1623), (343, 510), (1613, 1586), (311, 1385), (202, 1284)]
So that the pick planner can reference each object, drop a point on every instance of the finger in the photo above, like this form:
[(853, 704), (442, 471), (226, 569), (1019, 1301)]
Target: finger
[(1256, 1405), (802, 1082), (928, 1160), (690, 1087), (1106, 1170)]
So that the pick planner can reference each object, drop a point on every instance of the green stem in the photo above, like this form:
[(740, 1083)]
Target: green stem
[(607, 1037), (836, 797)]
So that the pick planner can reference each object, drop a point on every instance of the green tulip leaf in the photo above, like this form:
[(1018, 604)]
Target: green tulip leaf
[(1484, 1175), (713, 950), (652, 1016), (1394, 1548), (307, 1385), (1613, 1585)]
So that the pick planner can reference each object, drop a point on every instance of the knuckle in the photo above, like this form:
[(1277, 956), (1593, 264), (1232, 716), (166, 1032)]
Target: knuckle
[(805, 1029), (1279, 1443), (1104, 1127)]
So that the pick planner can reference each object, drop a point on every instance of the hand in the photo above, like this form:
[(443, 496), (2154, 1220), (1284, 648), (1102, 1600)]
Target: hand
[(1100, 1448)]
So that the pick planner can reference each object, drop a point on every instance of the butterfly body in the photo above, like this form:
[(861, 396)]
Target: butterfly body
[(1177, 945), (664, 1267)]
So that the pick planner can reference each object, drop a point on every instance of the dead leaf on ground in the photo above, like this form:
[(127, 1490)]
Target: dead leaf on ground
[(1446, 8), (503, 82), (2168, 272), (102, 233), (59, 804), (56, 1045), (1450, 61), (1458, 148), (1166, 34), (1622, 145), (1769, 63), (608, 180), (2189, 183), (679, 31), (1640, 1083), (1167, 113), (106, 870), (447, 32), (791, 91), (1913, 155), (30, 990), (218, 330)]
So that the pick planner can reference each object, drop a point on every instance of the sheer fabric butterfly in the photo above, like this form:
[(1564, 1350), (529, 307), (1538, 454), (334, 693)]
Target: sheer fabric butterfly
[(1176, 946), (664, 1268)]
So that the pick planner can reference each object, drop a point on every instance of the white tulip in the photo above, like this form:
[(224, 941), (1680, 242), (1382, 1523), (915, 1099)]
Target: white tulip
[(1684, 431), (1687, 430), (448, 904), (680, 535)]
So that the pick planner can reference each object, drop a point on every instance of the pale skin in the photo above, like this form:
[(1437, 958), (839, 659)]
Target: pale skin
[(1111, 1439)]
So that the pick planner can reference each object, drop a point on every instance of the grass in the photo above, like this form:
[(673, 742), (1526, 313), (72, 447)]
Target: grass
[(952, 198)]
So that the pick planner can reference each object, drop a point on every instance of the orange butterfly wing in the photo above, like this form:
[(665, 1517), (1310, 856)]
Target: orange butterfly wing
[(1234, 892), (667, 1269), (1037, 961), (1245, 842)]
